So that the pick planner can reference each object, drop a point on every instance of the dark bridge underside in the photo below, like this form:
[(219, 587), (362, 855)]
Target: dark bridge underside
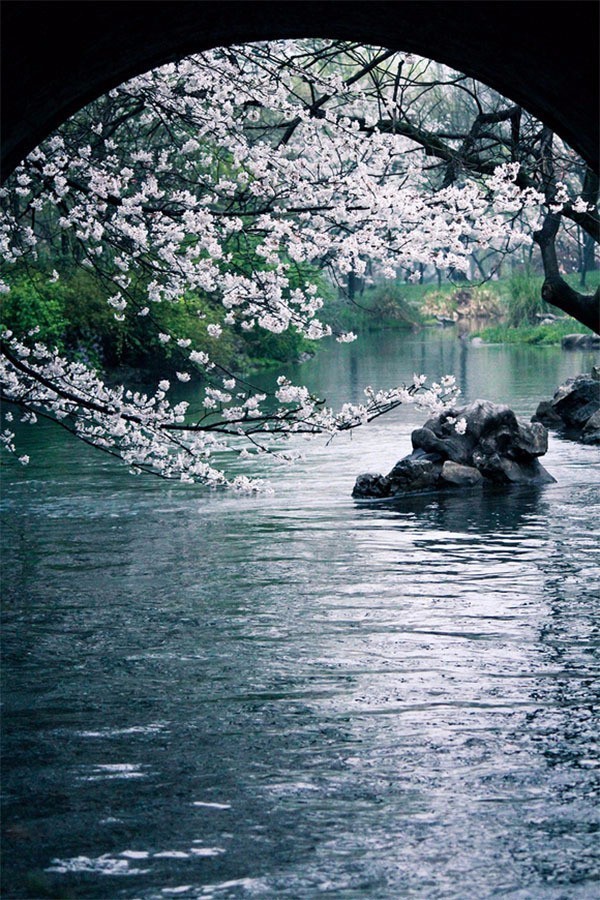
[(57, 56)]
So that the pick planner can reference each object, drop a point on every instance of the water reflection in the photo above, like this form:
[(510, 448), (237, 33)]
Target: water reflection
[(480, 511), (207, 695)]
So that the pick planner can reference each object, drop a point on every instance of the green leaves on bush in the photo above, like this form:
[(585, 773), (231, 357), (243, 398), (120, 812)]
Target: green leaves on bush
[(72, 315)]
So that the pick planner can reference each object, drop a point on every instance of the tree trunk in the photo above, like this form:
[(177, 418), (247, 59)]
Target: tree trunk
[(479, 266), (587, 258), (555, 290), (351, 289)]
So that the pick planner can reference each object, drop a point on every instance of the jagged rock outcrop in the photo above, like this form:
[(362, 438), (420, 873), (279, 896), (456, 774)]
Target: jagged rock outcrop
[(574, 409), (490, 445)]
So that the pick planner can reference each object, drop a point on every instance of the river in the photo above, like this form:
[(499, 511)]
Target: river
[(292, 695)]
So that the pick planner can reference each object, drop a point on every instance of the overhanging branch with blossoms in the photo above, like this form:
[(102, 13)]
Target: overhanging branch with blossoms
[(232, 174)]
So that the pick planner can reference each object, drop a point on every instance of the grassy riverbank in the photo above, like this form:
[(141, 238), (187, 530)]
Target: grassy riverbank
[(549, 334), (72, 314), (513, 307)]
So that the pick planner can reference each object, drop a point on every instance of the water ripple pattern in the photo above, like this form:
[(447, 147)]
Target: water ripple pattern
[(209, 695)]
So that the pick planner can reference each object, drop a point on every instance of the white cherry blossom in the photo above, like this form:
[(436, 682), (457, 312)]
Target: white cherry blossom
[(250, 159)]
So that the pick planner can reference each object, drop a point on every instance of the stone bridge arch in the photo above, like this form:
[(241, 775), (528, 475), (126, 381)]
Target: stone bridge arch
[(57, 56)]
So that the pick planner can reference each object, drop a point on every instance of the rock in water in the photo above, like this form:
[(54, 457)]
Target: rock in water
[(580, 341), (591, 430), (494, 447), (574, 409), (371, 486), (454, 473)]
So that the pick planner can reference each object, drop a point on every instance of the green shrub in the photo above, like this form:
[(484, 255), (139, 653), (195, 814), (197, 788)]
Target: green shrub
[(72, 315), (263, 348), (531, 334), (35, 304), (384, 305), (524, 298)]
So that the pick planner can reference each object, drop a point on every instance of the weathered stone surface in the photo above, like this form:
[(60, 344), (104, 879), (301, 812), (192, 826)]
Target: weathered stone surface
[(547, 415), (414, 473), (454, 473), (530, 472), (502, 470), (580, 341), (371, 486), (574, 404), (446, 446), (531, 440), (514, 439), (494, 447), (591, 430), (580, 403)]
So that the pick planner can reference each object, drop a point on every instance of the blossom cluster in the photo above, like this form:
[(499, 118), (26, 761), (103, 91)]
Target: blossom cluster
[(176, 175), (153, 435)]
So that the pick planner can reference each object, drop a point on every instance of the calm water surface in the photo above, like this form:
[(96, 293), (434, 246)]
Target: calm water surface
[(296, 695)]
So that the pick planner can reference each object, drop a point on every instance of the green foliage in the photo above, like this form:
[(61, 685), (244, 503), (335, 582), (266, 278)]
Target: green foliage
[(73, 316), (35, 303), (264, 349), (395, 304), (592, 281), (187, 318), (391, 304), (524, 298), (516, 301), (418, 293), (532, 334), (468, 302), (383, 306)]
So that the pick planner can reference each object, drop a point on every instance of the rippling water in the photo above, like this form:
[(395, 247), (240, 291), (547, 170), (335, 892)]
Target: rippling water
[(210, 695)]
